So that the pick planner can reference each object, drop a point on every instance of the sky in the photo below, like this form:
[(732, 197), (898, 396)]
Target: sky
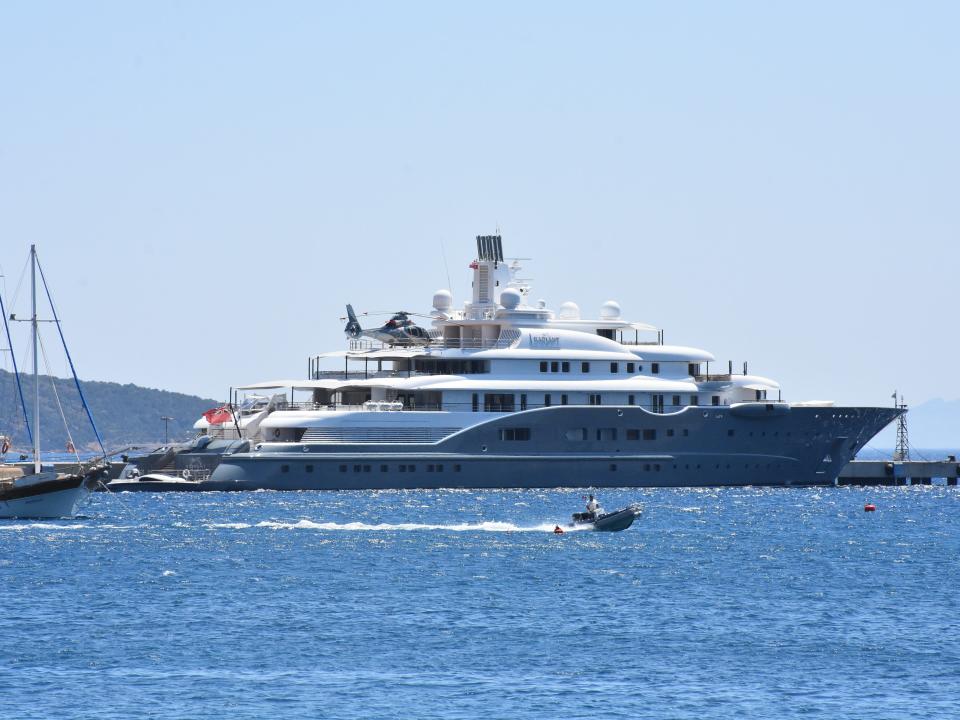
[(209, 183)]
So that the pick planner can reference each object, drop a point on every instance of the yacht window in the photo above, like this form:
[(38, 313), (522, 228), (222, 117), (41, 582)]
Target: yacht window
[(514, 433), (639, 368), (384, 468), (631, 399), (366, 468), (716, 399), (614, 367), (476, 402), (585, 367), (565, 366), (357, 468), (576, 434), (308, 468), (595, 399), (555, 366), (284, 468), (403, 468), (655, 368), (523, 401), (343, 468), (694, 400), (676, 400), (630, 367), (563, 399), (669, 432), (543, 366), (693, 369), (649, 434), (633, 434), (606, 434), (498, 402), (456, 468), (546, 400)]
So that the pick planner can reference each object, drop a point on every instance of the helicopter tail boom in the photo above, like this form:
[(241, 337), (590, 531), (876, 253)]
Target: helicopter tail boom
[(353, 328)]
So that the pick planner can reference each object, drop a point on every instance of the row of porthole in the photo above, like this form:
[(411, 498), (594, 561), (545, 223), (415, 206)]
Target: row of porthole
[(383, 468), (656, 467)]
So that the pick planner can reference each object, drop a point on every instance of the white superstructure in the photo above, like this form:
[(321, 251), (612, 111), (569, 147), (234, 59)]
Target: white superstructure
[(499, 354)]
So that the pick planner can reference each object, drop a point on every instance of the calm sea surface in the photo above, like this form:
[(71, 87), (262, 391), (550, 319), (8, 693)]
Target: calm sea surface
[(464, 604)]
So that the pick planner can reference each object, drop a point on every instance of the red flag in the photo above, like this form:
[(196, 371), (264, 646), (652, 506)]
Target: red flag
[(218, 416)]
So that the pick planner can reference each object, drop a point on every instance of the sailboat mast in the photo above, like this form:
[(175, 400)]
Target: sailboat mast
[(36, 374)]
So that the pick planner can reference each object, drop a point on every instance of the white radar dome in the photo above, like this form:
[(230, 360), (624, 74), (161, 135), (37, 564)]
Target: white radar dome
[(442, 300), (510, 298), (570, 311), (610, 310)]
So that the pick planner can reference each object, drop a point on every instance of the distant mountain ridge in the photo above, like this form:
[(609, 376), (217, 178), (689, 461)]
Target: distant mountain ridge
[(124, 414)]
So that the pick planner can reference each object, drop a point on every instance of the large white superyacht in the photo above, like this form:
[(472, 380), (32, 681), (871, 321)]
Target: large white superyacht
[(505, 393)]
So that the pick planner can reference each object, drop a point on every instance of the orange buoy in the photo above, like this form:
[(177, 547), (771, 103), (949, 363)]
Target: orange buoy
[(557, 530), (869, 507)]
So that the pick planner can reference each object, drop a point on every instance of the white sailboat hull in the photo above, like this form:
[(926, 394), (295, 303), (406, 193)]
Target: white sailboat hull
[(56, 504)]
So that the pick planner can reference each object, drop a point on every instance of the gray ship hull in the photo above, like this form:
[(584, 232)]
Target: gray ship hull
[(764, 444)]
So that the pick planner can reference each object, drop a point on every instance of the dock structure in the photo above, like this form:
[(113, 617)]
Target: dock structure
[(901, 470), (896, 472)]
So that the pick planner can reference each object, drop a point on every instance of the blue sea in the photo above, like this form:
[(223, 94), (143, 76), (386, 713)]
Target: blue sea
[(717, 603)]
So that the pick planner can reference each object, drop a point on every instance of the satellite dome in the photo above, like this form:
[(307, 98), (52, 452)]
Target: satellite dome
[(442, 300), (610, 310), (510, 298), (569, 311)]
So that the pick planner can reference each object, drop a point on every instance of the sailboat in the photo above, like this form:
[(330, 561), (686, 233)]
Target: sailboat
[(45, 493)]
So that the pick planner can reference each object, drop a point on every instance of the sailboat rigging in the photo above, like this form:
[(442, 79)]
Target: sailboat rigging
[(45, 493)]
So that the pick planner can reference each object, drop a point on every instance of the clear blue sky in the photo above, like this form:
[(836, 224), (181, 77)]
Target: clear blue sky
[(209, 183)]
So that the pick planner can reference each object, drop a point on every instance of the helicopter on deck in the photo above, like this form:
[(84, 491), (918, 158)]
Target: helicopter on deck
[(398, 330)]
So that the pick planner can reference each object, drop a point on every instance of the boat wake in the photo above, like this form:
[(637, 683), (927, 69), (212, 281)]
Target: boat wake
[(489, 526), (39, 526)]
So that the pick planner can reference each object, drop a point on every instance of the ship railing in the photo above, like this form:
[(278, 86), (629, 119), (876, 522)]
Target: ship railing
[(397, 406), (504, 340), (361, 375), (722, 377)]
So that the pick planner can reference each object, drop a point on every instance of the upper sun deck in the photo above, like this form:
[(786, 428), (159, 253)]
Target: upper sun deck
[(502, 332), (541, 342)]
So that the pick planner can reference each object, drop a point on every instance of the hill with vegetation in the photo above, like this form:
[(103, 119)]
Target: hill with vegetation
[(124, 414)]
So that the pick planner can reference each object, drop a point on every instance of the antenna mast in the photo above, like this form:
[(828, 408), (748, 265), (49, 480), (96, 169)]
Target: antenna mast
[(36, 375), (902, 451)]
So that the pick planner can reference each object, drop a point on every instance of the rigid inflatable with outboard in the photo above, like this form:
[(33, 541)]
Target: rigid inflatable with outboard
[(611, 521)]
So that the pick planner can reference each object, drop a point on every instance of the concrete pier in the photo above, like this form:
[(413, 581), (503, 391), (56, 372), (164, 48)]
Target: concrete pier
[(909, 472)]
